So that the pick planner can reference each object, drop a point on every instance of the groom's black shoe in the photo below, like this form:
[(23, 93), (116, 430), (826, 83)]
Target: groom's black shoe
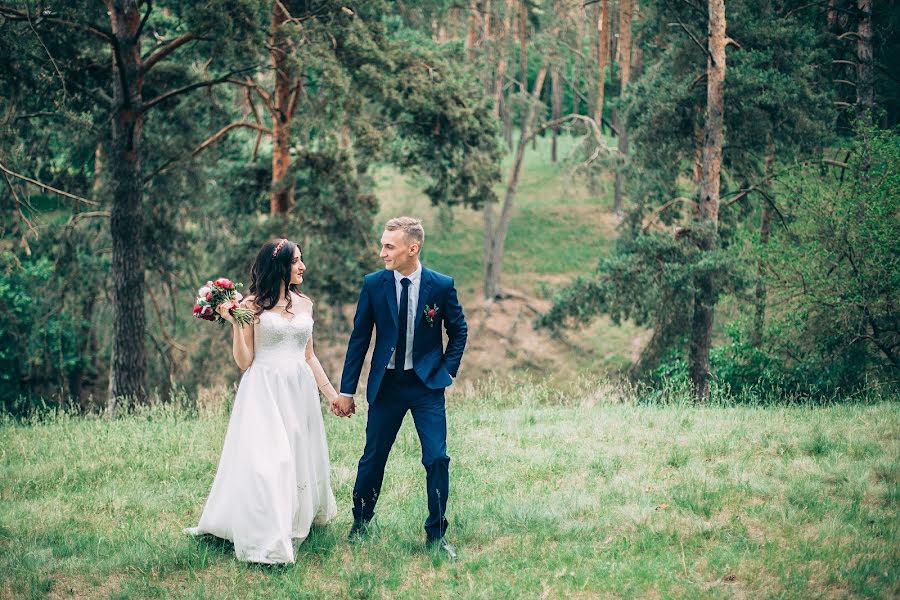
[(443, 546), (359, 531)]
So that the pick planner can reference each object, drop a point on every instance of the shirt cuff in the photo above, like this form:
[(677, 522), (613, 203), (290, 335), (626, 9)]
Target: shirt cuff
[(347, 395)]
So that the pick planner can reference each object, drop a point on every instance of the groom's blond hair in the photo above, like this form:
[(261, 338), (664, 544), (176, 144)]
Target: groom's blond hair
[(411, 227)]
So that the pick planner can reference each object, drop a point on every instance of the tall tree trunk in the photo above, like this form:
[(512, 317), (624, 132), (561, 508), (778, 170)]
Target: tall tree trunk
[(500, 109), (523, 44), (708, 209), (556, 91), (523, 68), (282, 192), (697, 167), (555, 105), (494, 259), (129, 360), (759, 318), (865, 80), (502, 46), (832, 14), (602, 53), (576, 69), (487, 76), (626, 12), (472, 27)]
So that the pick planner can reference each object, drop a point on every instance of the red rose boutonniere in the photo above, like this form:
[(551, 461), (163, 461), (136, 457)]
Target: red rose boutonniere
[(430, 312)]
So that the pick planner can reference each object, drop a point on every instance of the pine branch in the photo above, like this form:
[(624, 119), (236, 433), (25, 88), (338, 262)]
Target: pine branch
[(168, 48), (656, 213), (221, 133), (251, 85), (94, 30), (188, 88), (47, 187)]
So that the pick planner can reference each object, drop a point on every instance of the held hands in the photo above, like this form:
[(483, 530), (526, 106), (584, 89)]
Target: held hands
[(343, 406)]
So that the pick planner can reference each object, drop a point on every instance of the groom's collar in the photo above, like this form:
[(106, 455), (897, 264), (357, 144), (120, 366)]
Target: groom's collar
[(414, 277)]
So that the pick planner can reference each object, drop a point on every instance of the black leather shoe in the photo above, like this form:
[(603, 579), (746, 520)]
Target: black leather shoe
[(359, 531), (443, 546)]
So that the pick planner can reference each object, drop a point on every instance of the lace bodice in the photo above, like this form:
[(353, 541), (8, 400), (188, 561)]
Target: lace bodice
[(281, 340)]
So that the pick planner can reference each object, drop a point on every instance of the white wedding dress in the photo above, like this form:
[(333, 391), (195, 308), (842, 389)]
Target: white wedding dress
[(274, 479)]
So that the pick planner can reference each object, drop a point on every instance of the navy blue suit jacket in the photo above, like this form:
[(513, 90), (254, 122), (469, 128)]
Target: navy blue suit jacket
[(377, 306)]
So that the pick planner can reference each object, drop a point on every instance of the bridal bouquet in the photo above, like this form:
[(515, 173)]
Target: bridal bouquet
[(217, 292)]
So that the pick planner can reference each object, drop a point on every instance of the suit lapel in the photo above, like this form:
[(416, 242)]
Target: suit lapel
[(423, 295), (390, 294)]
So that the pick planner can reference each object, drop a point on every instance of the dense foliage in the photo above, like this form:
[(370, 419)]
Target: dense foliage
[(804, 260)]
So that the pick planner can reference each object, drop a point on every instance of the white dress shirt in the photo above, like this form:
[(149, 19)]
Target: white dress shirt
[(415, 279)]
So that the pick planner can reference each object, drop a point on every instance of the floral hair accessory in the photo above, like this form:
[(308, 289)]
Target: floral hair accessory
[(277, 248)]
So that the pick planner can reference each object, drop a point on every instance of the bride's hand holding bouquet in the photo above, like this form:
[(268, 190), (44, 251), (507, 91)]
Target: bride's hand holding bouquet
[(220, 299)]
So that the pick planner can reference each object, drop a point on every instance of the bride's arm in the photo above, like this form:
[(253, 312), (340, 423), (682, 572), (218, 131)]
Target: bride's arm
[(242, 345), (322, 381)]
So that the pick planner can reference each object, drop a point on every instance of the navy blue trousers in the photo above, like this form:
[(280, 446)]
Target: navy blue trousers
[(401, 392)]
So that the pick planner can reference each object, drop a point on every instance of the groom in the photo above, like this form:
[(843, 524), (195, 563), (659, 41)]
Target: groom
[(407, 304)]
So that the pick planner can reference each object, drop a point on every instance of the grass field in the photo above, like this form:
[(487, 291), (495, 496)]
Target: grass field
[(551, 497)]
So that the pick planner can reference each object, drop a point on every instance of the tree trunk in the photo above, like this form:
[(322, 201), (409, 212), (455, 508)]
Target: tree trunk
[(500, 110), (129, 361), (486, 73), (602, 53), (472, 28), (556, 91), (626, 12), (576, 70), (708, 209), (523, 44), (759, 318), (865, 80), (502, 45), (832, 14), (619, 193), (697, 167), (282, 191), (494, 258), (556, 106)]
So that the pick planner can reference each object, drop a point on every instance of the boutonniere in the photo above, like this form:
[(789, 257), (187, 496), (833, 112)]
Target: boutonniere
[(430, 311)]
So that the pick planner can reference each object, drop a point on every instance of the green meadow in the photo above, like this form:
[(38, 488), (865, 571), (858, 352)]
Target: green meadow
[(577, 495)]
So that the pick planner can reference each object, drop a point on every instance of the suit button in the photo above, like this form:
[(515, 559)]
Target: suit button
[(392, 349)]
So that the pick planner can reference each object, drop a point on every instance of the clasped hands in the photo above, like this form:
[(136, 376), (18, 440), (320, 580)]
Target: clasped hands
[(343, 406)]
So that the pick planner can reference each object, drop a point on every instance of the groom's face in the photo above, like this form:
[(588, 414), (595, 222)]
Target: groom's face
[(397, 253)]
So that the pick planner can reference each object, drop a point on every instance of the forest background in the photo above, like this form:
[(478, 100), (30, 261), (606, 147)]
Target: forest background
[(622, 189)]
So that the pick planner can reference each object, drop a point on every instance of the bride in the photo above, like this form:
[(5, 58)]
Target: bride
[(273, 482)]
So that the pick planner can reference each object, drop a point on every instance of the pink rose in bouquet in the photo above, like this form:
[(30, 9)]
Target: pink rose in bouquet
[(221, 291)]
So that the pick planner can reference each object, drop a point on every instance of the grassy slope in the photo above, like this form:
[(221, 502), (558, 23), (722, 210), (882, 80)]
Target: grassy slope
[(558, 231), (558, 227), (552, 501)]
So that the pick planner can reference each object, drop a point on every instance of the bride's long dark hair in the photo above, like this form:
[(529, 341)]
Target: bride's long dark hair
[(272, 268)]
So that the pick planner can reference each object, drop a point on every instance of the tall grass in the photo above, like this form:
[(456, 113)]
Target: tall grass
[(586, 492)]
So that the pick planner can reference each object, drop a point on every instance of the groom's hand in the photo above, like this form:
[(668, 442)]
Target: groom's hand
[(343, 406)]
